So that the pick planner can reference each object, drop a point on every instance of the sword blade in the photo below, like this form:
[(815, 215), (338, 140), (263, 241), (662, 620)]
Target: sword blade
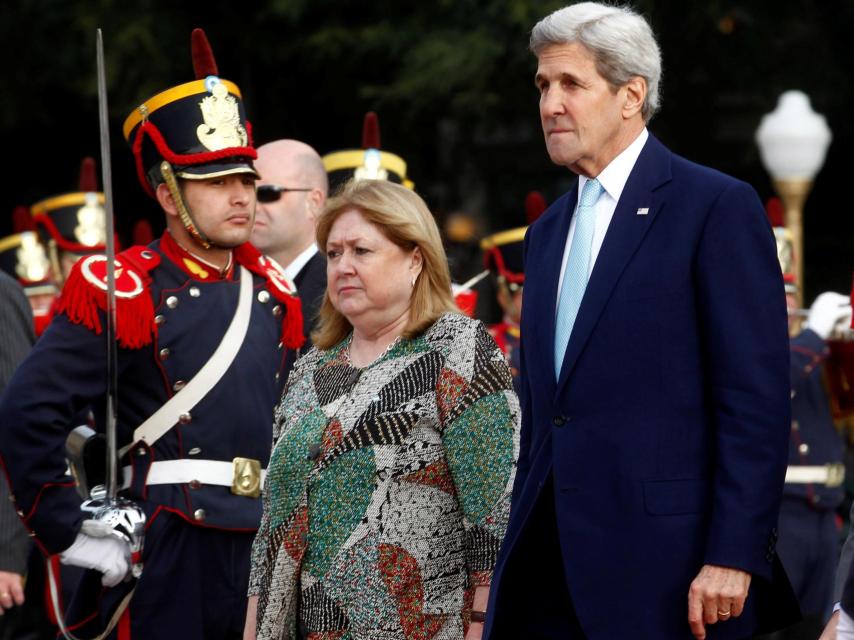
[(112, 350)]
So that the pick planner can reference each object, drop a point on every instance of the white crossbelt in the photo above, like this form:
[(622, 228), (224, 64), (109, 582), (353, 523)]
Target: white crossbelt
[(196, 389), (831, 475), (216, 472)]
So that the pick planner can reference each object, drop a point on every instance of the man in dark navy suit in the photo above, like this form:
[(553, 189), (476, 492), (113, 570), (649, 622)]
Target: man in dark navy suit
[(654, 371), (291, 194)]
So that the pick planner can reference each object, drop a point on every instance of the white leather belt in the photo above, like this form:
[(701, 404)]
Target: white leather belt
[(216, 472), (831, 475)]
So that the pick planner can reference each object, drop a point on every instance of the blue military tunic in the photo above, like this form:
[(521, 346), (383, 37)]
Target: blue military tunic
[(184, 309), (808, 544)]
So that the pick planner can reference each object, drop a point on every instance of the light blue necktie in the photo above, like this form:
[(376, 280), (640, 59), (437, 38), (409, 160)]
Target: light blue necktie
[(577, 264)]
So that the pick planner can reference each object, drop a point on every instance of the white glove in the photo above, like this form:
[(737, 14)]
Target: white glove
[(828, 310), (109, 555)]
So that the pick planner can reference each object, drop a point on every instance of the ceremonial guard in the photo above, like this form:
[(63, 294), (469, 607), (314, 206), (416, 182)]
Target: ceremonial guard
[(368, 163), (72, 225), (204, 324), (23, 256), (809, 534), (502, 256)]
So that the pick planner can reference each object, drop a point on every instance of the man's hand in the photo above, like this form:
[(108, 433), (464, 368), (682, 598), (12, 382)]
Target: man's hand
[(109, 555), (11, 590), (829, 632), (716, 595)]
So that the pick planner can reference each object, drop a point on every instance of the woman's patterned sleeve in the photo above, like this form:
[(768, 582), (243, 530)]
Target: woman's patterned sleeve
[(480, 432), (262, 537), (259, 551)]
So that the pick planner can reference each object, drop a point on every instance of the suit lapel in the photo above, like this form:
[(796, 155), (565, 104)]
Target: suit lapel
[(546, 260), (624, 236)]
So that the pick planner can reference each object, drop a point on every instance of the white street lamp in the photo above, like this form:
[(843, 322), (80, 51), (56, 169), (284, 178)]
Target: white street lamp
[(793, 141)]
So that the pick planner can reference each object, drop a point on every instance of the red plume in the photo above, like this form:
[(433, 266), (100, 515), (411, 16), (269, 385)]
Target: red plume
[(88, 179), (203, 59), (371, 131), (774, 209), (535, 204), (22, 220), (852, 301), (142, 232)]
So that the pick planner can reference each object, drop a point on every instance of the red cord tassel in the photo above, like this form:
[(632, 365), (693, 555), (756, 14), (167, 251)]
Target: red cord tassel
[(81, 301)]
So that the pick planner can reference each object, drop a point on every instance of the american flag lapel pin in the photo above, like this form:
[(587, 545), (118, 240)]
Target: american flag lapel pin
[(643, 211)]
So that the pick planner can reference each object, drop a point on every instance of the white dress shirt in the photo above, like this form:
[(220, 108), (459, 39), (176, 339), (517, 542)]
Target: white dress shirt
[(613, 179), (300, 261)]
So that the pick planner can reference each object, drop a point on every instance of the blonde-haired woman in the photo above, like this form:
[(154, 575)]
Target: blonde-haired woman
[(388, 491)]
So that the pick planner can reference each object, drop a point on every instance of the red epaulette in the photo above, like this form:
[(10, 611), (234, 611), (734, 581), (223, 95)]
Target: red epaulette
[(281, 287), (85, 292)]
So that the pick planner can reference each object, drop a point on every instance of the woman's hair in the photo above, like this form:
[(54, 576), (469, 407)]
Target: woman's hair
[(621, 41), (402, 217)]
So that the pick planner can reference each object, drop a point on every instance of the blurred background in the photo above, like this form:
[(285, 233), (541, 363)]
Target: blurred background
[(451, 80)]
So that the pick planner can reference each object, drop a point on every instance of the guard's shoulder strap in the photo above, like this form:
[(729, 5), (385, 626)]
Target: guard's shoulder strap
[(84, 295)]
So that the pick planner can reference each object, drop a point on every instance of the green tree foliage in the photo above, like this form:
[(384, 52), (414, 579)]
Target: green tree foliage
[(450, 79)]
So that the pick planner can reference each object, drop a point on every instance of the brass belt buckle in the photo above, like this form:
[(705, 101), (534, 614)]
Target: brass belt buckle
[(835, 475), (247, 478)]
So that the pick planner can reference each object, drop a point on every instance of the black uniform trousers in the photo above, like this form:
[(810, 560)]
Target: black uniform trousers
[(204, 570)]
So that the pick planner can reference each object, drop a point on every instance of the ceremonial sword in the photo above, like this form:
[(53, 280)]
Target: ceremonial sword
[(108, 515)]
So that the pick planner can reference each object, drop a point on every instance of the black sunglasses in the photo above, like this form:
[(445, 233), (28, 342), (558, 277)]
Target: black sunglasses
[(272, 192)]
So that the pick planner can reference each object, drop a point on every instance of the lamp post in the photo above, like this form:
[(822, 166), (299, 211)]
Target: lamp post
[(793, 141)]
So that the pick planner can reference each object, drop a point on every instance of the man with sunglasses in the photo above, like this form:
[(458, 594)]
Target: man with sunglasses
[(291, 193)]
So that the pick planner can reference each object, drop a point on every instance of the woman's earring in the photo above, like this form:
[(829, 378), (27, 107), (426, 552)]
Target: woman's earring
[(412, 283)]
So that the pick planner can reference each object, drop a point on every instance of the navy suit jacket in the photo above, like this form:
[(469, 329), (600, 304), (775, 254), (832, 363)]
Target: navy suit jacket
[(666, 432), (311, 285)]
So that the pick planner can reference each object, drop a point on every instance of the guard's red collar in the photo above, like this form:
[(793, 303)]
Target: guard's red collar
[(190, 264)]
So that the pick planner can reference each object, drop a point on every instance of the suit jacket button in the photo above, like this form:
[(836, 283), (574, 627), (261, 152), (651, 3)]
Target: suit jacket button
[(559, 421)]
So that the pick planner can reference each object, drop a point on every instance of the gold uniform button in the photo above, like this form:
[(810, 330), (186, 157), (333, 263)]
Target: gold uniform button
[(199, 514)]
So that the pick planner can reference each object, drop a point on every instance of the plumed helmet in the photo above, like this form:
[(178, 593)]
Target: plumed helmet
[(367, 163), (199, 128)]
